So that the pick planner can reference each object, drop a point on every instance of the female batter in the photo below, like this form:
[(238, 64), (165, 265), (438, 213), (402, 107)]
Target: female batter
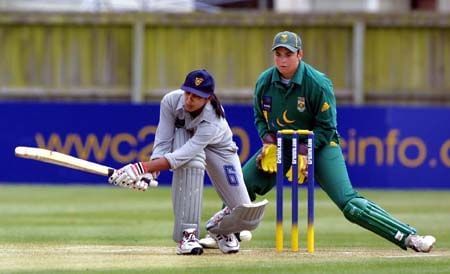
[(193, 136)]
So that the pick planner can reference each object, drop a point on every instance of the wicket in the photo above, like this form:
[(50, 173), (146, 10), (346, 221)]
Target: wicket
[(279, 193)]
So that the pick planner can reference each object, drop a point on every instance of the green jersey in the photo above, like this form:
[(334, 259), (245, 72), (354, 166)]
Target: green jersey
[(306, 102)]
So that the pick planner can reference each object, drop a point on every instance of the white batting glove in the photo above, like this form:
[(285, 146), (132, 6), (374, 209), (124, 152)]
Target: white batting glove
[(146, 180), (128, 175)]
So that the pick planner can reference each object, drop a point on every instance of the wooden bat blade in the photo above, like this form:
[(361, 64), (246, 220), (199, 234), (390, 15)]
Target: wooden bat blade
[(61, 159)]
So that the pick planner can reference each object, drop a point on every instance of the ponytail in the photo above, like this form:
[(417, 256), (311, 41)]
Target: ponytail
[(217, 106)]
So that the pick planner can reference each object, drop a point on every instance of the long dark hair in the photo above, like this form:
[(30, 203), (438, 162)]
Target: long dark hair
[(217, 106)]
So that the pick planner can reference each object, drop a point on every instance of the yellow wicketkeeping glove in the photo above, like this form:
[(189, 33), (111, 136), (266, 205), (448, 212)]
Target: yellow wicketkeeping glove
[(267, 159), (302, 170)]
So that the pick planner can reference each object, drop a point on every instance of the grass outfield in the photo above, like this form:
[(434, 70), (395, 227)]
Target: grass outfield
[(73, 229)]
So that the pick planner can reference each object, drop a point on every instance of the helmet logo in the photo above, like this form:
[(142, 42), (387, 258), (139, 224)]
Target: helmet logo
[(198, 81)]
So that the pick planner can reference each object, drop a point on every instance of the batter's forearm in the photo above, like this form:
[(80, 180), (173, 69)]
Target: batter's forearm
[(159, 164)]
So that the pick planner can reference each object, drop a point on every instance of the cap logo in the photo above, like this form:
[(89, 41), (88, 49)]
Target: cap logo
[(284, 38), (198, 81)]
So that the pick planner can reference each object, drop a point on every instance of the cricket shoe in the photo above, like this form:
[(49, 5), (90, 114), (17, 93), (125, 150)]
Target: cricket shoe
[(210, 242), (420, 243), (227, 243), (189, 245)]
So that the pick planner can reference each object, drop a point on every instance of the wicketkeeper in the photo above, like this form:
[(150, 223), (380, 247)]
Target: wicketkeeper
[(294, 95)]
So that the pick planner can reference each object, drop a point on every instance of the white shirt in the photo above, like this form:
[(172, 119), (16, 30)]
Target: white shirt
[(208, 131)]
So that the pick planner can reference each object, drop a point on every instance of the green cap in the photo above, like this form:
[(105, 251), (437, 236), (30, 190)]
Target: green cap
[(287, 39)]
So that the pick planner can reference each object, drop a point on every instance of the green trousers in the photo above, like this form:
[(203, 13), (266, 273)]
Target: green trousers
[(331, 174)]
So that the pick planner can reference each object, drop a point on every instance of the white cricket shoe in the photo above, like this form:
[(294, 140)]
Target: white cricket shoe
[(189, 245), (420, 243), (210, 242), (227, 243)]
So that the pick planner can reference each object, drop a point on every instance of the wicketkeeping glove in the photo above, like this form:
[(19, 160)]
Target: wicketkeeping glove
[(267, 159), (302, 170)]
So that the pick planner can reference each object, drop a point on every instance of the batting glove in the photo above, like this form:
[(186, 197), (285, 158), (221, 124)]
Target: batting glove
[(146, 180), (128, 175)]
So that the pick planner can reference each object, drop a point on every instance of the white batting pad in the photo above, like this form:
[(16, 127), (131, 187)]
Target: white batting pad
[(187, 190), (243, 217)]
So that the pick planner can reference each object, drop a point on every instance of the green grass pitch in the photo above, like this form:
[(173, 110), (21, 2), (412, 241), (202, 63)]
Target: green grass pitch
[(83, 229)]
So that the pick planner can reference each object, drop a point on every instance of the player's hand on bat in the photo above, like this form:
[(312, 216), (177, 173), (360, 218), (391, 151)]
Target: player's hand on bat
[(129, 173), (131, 176), (145, 180)]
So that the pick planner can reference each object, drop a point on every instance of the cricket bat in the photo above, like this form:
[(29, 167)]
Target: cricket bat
[(61, 159)]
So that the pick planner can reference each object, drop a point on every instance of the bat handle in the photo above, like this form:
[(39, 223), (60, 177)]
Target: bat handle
[(110, 172)]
